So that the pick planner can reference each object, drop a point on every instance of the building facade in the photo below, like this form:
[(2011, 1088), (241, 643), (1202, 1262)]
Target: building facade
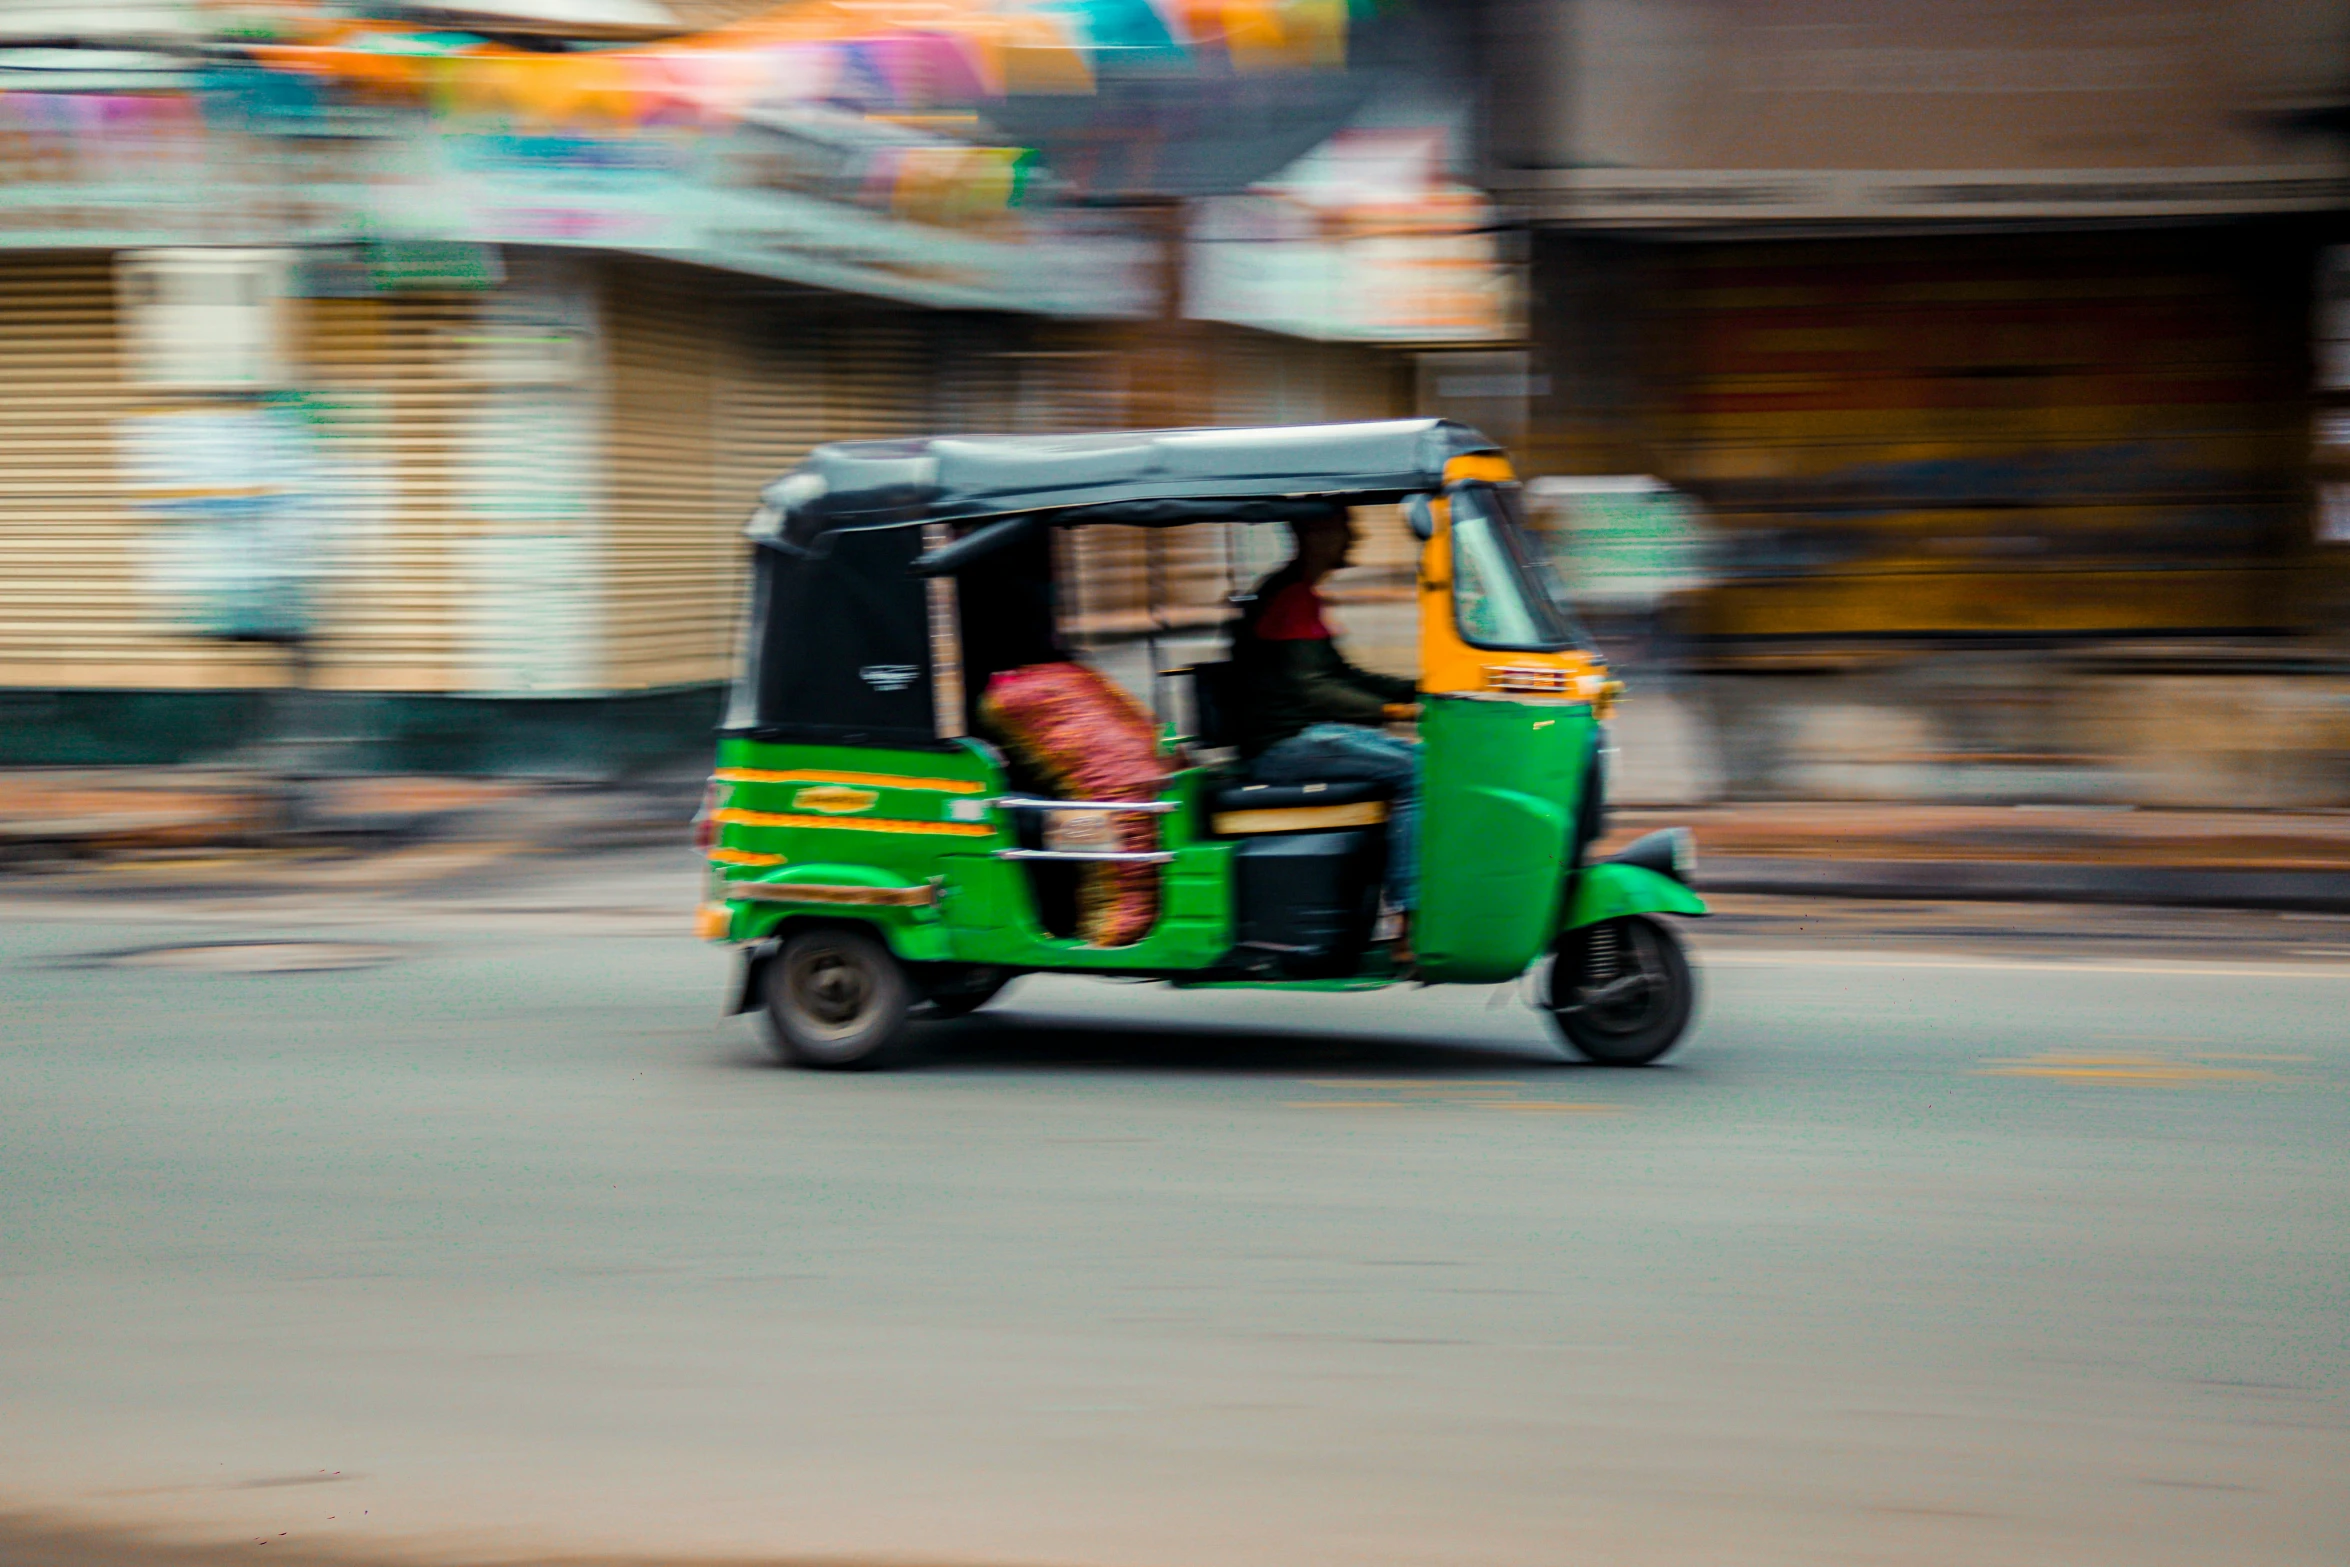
[(1992, 339)]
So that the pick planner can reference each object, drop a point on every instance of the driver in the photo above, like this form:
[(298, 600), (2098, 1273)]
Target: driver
[(1306, 715)]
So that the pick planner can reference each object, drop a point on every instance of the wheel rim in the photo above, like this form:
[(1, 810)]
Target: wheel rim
[(1624, 985), (832, 989)]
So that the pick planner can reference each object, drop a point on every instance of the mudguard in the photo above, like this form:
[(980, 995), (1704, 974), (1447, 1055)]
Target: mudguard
[(1608, 891)]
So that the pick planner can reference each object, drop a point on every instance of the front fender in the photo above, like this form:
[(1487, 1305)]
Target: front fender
[(1606, 891)]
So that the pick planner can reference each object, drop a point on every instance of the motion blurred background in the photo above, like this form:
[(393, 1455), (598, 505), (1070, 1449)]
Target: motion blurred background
[(1938, 409), (1930, 403)]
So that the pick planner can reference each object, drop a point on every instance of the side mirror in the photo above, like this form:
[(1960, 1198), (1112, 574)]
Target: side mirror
[(1420, 517)]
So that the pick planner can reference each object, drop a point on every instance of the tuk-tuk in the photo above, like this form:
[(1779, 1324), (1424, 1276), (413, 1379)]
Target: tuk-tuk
[(873, 855)]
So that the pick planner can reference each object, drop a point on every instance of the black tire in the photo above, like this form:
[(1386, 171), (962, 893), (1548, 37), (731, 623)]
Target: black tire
[(971, 991), (837, 1000), (1621, 992)]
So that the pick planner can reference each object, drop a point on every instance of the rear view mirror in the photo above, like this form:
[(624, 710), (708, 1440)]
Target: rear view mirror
[(1420, 517)]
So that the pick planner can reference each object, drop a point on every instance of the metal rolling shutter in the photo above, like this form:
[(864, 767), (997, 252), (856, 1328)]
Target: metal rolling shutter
[(717, 386), (669, 605), (877, 372), (73, 550), (2084, 433), (76, 607), (390, 406)]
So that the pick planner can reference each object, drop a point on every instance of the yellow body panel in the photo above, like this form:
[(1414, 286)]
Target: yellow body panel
[(1449, 666)]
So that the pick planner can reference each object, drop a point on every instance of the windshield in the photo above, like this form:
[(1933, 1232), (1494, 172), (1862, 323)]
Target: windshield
[(1503, 594)]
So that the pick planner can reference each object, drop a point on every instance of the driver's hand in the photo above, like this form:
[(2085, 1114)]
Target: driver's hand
[(1403, 712)]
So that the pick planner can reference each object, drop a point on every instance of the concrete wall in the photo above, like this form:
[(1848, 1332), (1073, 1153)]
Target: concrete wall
[(2131, 727)]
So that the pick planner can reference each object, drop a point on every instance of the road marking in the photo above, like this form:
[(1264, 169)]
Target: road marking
[(2132, 1070), (1802, 958)]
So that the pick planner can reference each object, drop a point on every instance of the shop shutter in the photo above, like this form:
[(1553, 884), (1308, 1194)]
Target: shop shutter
[(76, 556), (668, 581), (2059, 433), (878, 365), (86, 575), (718, 385), (391, 406)]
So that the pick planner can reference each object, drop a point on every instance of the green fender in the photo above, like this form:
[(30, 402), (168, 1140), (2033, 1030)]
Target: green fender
[(912, 932), (1605, 892)]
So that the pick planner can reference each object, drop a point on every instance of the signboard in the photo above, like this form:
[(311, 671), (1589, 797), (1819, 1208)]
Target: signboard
[(1619, 542), (205, 320), (422, 204), (1366, 239), (236, 551)]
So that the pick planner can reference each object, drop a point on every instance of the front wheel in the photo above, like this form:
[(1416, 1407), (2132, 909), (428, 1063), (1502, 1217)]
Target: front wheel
[(837, 999), (1620, 991)]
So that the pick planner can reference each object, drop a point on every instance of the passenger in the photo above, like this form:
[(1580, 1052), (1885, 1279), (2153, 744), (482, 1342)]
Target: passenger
[(1306, 715)]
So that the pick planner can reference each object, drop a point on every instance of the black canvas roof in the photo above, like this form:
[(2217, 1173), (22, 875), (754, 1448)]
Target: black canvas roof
[(1128, 476)]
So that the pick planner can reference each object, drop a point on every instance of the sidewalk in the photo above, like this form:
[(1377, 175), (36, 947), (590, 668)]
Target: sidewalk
[(54, 819), (2087, 854), (55, 816)]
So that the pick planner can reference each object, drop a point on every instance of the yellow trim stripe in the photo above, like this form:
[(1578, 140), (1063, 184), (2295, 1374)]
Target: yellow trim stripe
[(882, 780), (847, 824), (744, 857)]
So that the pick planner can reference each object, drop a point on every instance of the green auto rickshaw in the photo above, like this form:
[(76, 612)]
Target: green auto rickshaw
[(873, 856)]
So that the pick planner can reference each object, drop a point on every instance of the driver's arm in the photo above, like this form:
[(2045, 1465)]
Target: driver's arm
[(1329, 690)]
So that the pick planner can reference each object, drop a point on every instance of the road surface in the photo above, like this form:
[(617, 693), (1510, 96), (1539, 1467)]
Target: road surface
[(1965, 1236)]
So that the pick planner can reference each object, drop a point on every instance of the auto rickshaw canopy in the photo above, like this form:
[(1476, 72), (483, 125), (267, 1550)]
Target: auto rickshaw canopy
[(848, 640), (1145, 478)]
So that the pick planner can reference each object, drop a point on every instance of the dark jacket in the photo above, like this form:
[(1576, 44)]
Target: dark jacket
[(1281, 687)]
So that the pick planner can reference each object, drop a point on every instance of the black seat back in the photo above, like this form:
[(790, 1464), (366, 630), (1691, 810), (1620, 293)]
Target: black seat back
[(1212, 704)]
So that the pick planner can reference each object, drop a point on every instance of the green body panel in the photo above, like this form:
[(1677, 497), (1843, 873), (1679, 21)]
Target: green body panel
[(917, 940), (991, 917), (985, 912), (835, 850), (914, 934), (1501, 797), (1606, 892), (1501, 790)]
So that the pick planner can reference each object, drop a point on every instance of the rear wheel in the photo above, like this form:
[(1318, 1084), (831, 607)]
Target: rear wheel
[(1620, 991), (837, 999)]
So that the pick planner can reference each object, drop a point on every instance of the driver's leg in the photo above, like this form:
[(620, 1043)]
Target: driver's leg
[(1335, 753)]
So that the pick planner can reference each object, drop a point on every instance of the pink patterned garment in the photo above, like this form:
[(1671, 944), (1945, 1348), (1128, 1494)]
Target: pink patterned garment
[(1090, 741)]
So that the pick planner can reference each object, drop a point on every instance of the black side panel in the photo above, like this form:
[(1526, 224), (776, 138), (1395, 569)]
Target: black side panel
[(1308, 901), (842, 641)]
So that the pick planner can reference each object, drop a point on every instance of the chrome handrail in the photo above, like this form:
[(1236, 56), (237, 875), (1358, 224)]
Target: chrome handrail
[(1109, 856), (1021, 802)]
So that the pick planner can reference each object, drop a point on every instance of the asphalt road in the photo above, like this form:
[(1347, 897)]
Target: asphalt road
[(1955, 1237)]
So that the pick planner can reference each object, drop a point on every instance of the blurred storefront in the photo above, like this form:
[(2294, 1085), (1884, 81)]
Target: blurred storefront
[(437, 373), (1956, 328), (1984, 335)]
